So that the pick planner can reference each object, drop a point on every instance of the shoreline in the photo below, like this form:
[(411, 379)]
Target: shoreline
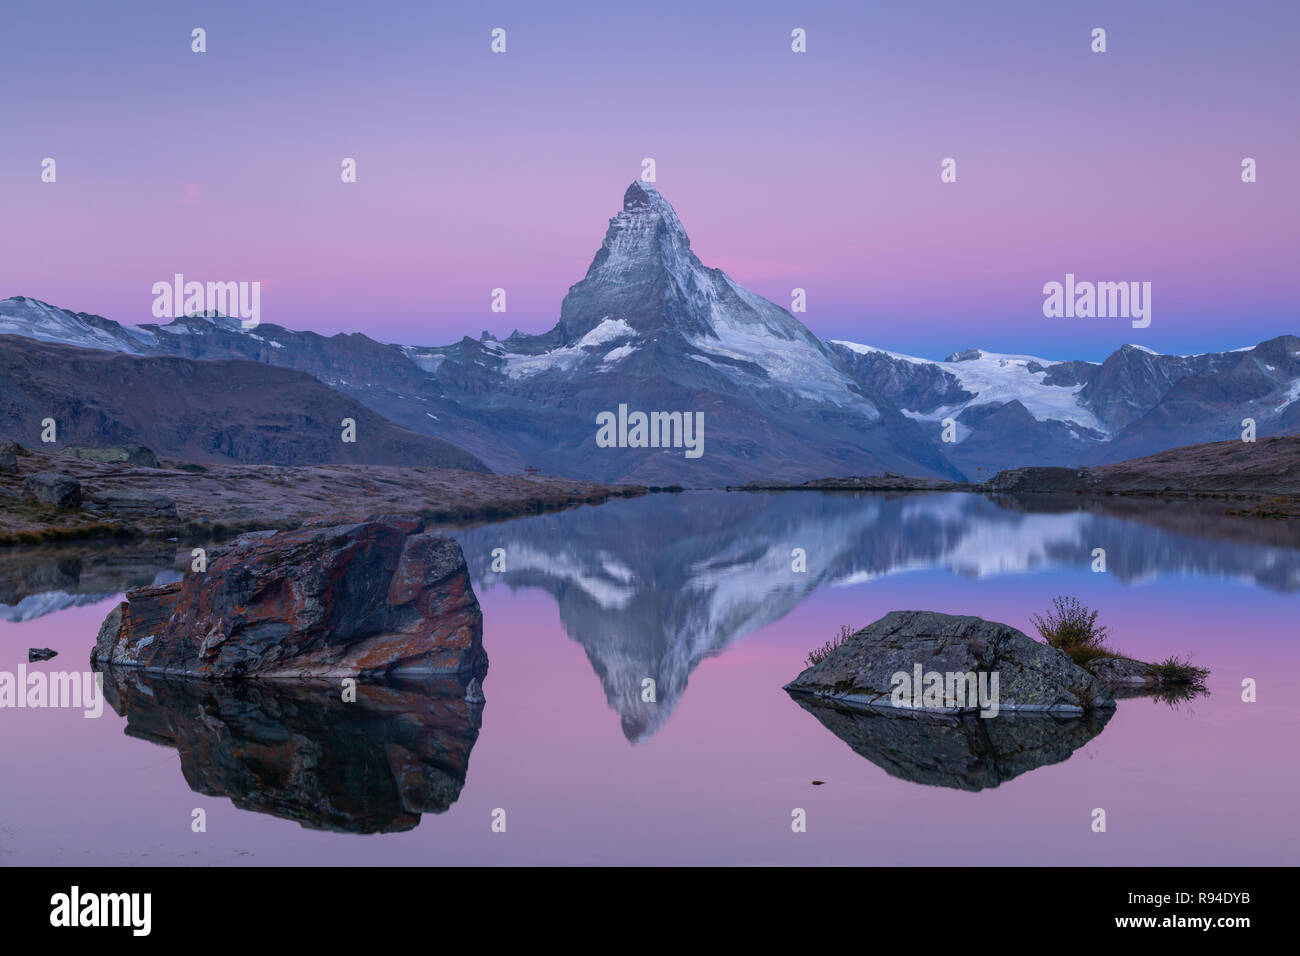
[(1272, 504), (1266, 472), (120, 501), (217, 501)]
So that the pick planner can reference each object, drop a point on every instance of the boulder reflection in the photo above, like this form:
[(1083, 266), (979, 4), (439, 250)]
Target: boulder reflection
[(299, 752)]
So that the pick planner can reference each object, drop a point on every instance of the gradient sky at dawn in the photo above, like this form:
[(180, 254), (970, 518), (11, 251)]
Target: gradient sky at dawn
[(818, 170)]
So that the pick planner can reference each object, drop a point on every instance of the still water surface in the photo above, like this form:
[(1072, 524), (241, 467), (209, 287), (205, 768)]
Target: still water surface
[(697, 592)]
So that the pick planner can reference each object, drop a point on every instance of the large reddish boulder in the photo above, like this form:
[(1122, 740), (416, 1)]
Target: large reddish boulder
[(354, 600)]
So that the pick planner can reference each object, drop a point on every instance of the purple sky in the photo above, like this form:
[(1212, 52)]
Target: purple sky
[(818, 170)]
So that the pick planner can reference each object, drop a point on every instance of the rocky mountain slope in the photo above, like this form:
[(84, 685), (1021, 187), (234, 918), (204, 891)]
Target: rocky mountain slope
[(210, 411)]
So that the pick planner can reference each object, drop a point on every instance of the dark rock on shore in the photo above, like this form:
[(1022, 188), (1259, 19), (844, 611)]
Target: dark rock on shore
[(9, 457), (1032, 677), (137, 505), (137, 455), (1266, 470), (1017, 480), (40, 654), (886, 482), (354, 600), (54, 489)]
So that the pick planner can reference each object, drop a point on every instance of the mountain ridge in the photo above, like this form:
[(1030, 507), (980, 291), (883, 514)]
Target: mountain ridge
[(201, 411), (650, 326)]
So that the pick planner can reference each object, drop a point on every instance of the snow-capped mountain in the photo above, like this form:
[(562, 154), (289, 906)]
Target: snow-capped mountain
[(975, 377), (38, 320), (1014, 410), (645, 284), (651, 327), (647, 304)]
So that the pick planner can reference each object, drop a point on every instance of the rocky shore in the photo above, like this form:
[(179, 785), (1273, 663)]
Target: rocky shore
[(51, 495), (1259, 479), (1266, 467), (886, 482)]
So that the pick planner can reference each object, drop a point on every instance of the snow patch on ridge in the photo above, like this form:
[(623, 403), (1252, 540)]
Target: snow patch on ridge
[(775, 341), (519, 365), (1292, 394), (426, 361), (615, 355), (994, 378), (34, 319)]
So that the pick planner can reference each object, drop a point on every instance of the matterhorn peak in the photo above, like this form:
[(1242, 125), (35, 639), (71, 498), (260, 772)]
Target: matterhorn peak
[(640, 194), (696, 320), (642, 200), (641, 271)]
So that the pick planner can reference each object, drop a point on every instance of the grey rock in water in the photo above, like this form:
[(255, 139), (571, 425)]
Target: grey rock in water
[(1032, 677), (1122, 671), (53, 488), (1128, 677), (40, 654)]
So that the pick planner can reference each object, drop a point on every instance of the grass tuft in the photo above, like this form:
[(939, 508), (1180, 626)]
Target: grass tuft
[(1175, 670), (819, 654), (1072, 627)]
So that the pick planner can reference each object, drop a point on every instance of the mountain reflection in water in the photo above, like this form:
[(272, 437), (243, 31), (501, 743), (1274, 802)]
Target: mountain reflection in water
[(648, 588), (652, 586)]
